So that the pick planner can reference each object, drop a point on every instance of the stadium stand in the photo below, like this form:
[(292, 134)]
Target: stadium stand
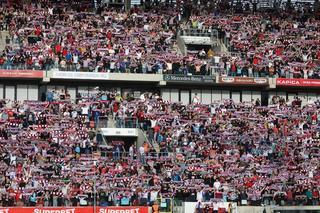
[(230, 152), (43, 38), (240, 153)]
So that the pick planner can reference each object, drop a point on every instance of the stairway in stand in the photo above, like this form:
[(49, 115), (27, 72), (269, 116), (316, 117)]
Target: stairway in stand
[(3, 35)]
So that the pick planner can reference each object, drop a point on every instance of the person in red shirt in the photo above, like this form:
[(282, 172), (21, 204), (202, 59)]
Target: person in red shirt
[(233, 69), (109, 35), (315, 195), (64, 52), (38, 31), (29, 63), (58, 48)]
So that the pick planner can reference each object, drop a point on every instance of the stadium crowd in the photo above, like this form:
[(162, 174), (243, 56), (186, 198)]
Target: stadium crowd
[(113, 41), (50, 36), (266, 45), (244, 153)]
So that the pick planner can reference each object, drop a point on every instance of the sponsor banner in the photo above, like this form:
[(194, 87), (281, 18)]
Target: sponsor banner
[(243, 80), (189, 78), (21, 74), (298, 82), (133, 209), (80, 75), (123, 210)]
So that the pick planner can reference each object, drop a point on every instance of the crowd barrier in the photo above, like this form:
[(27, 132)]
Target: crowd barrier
[(172, 78), (132, 209)]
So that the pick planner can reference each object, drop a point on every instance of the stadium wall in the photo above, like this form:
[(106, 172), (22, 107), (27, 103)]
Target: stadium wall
[(133, 209), (279, 209), (32, 85)]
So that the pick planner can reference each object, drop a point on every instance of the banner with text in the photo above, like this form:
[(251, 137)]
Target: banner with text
[(133, 209), (80, 75), (298, 82), (189, 79), (243, 81), (21, 74)]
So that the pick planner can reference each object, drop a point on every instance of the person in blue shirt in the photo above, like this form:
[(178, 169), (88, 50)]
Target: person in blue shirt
[(68, 57), (33, 199), (50, 96), (77, 151)]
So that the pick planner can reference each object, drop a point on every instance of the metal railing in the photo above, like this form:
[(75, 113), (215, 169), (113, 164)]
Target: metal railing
[(199, 32), (126, 122), (181, 45)]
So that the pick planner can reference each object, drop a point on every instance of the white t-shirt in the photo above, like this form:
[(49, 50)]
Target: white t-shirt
[(141, 150), (216, 185), (83, 201), (75, 59), (146, 27), (84, 110), (139, 55), (196, 100), (153, 123), (153, 195), (127, 51), (50, 11), (199, 196), (216, 59), (112, 65), (131, 151)]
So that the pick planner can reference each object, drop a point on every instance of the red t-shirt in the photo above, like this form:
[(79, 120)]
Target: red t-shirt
[(37, 32), (256, 61), (58, 48), (156, 128), (64, 52), (109, 35), (279, 51)]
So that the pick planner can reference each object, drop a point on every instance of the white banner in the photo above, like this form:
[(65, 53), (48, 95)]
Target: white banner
[(129, 132), (191, 207), (81, 75)]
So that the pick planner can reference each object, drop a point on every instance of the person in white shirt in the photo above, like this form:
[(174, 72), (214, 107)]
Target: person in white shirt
[(50, 11), (217, 185), (169, 67), (153, 195), (142, 154), (75, 59), (112, 66), (131, 152), (139, 55), (196, 99), (127, 51), (200, 196)]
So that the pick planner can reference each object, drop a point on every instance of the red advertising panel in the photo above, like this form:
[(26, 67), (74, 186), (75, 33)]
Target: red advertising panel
[(243, 80), (21, 74), (133, 209), (298, 82)]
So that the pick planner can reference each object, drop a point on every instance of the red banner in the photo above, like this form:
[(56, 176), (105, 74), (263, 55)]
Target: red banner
[(132, 209), (21, 74), (243, 80), (298, 82)]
